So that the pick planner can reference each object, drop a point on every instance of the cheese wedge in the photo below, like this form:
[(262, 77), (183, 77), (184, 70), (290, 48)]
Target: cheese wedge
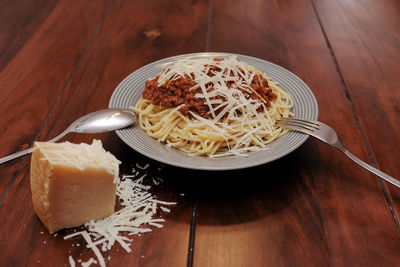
[(72, 183)]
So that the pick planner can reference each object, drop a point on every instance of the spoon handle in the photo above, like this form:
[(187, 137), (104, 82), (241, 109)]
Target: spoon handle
[(29, 150), (16, 155)]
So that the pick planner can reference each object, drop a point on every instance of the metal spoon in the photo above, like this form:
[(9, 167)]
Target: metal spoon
[(100, 121)]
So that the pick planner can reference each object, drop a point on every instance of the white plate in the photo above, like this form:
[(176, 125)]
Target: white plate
[(130, 90)]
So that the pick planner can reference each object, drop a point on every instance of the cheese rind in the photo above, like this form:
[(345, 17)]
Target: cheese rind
[(74, 188)]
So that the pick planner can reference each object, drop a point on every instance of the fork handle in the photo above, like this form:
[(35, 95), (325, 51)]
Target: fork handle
[(383, 175)]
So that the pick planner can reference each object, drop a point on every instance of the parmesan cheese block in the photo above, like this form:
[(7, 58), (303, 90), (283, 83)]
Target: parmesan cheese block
[(72, 183)]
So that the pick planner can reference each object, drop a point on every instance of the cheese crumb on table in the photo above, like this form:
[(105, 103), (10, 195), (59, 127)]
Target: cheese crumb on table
[(138, 207), (72, 184)]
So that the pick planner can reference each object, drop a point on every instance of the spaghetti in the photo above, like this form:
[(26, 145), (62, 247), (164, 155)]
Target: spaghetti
[(213, 107)]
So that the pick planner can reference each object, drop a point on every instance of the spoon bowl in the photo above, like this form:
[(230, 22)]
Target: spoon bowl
[(100, 121)]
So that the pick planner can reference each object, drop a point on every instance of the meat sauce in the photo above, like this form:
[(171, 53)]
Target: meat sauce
[(175, 92)]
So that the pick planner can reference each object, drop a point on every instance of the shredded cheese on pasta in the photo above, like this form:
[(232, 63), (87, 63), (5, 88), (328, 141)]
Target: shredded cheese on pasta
[(237, 124)]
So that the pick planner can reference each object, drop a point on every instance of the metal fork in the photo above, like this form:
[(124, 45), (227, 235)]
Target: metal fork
[(325, 133)]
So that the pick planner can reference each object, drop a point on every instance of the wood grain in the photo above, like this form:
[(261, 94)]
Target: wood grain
[(29, 244), (35, 77), (20, 20), (367, 52), (313, 207), (325, 223), (129, 36)]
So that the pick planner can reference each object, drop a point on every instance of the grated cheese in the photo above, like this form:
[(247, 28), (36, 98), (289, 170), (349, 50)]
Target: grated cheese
[(89, 262), (236, 106), (136, 216), (71, 261)]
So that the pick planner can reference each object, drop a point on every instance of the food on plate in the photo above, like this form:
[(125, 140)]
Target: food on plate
[(72, 183), (213, 106)]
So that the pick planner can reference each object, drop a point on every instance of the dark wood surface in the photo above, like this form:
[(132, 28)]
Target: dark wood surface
[(314, 207)]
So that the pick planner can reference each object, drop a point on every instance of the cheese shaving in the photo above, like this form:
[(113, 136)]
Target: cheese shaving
[(229, 70), (135, 217), (230, 99), (71, 261)]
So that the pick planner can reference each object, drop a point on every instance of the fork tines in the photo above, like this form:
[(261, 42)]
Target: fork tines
[(296, 122)]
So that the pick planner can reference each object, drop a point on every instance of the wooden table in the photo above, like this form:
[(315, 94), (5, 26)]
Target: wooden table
[(62, 59)]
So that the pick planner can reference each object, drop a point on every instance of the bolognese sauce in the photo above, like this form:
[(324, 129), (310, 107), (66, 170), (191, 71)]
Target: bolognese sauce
[(182, 90), (215, 107)]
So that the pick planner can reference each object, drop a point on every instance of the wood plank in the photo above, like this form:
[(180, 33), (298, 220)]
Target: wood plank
[(30, 17), (35, 77), (131, 35), (251, 217), (28, 243), (326, 210), (19, 20), (322, 210), (367, 52)]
